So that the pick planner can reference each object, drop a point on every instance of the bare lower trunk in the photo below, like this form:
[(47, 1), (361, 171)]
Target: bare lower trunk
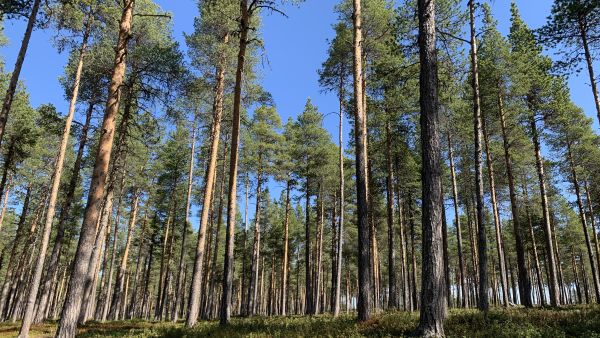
[(461, 261), (284, 261)]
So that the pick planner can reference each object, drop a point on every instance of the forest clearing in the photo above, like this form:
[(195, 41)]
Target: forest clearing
[(308, 168)]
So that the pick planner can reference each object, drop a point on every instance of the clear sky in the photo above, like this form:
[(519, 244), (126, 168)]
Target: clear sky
[(295, 48)]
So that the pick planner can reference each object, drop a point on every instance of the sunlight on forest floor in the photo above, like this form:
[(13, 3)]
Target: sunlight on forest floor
[(572, 321)]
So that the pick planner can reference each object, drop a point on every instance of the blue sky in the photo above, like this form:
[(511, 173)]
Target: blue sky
[(295, 48)]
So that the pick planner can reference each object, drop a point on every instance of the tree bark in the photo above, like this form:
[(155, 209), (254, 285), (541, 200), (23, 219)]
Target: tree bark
[(68, 322), (225, 313), (360, 127), (194, 298), (433, 303)]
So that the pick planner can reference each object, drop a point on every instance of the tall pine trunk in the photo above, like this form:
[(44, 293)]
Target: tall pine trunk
[(523, 274), (194, 298), (483, 302), (68, 323), (497, 221), (551, 259), (433, 302), (360, 127), (55, 185), (225, 313), (186, 224)]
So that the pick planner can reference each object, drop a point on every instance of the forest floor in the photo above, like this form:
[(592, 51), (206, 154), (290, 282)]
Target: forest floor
[(572, 321)]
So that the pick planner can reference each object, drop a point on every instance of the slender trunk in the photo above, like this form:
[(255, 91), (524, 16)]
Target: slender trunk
[(538, 274), (118, 299), (244, 310), (14, 78), (461, 261), (340, 229), (284, 261), (253, 290), (483, 303), (524, 280), (56, 176), (307, 253), (194, 298), (392, 302), (497, 221), (551, 263), (52, 270), (584, 225), (360, 127), (592, 221), (11, 269), (225, 313), (433, 309), (186, 224), (70, 312)]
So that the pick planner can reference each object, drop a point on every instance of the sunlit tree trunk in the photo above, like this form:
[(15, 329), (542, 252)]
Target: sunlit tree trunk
[(225, 312), (70, 312), (360, 131), (194, 298)]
